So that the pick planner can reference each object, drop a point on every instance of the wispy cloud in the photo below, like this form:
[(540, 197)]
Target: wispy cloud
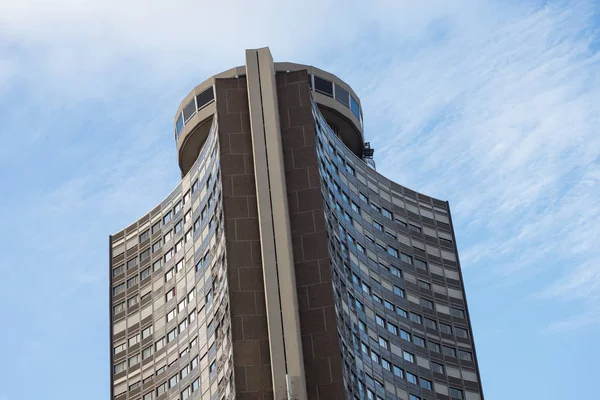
[(492, 105), (504, 124)]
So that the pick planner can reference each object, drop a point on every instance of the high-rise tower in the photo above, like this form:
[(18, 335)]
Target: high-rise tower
[(283, 266)]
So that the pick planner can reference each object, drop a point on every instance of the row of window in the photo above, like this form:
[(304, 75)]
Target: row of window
[(411, 205), (168, 254), (334, 90), (197, 103), (443, 327), (417, 340)]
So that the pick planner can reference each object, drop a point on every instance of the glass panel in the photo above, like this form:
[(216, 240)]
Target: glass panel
[(179, 125), (323, 86), (342, 95), (354, 107), (205, 97), (189, 110)]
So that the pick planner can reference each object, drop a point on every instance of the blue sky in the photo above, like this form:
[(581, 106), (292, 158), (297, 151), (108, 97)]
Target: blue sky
[(493, 105)]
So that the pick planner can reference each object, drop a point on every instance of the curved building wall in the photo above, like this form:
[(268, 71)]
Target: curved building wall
[(402, 314), (282, 265), (169, 294)]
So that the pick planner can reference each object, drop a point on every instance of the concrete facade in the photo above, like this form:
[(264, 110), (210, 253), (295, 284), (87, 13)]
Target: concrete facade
[(283, 266)]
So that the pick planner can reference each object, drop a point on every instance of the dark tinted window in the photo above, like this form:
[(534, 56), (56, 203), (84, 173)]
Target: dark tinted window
[(205, 97), (342, 95), (323, 86), (189, 110), (179, 125), (354, 107)]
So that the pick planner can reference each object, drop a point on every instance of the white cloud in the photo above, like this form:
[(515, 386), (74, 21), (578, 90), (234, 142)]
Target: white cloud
[(492, 107), (505, 125)]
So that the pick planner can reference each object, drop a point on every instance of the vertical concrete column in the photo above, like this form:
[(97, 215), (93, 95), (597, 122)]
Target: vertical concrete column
[(278, 263)]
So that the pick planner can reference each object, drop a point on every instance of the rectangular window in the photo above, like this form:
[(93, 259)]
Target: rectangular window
[(456, 394), (145, 273), (363, 197), (415, 318), (375, 207), (449, 351), (465, 355), (184, 372), (178, 226), (386, 364), (172, 335), (323, 86), (170, 294), (133, 340), (132, 281), (420, 264), (119, 308), (132, 301), (384, 343), (401, 312), (424, 285), (171, 314), (119, 367), (392, 328), (156, 227), (427, 304), (461, 332), (408, 356), (425, 384), (118, 289), (415, 228), (419, 341), (147, 352), (392, 251), (412, 378), (455, 312), (118, 271), (160, 390), (436, 367), (147, 332), (406, 258), (398, 372), (399, 292), (386, 213), (170, 274), (374, 356), (405, 335), (134, 360), (430, 323), (433, 346), (145, 235), (167, 217), (177, 207), (355, 207), (119, 348), (378, 226), (380, 321), (131, 263), (445, 328)]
